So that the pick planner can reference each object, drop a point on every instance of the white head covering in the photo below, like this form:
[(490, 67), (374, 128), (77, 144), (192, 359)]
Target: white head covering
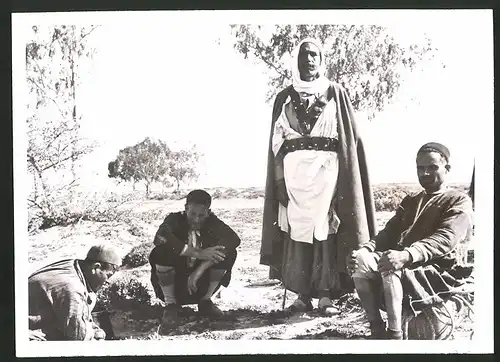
[(318, 85)]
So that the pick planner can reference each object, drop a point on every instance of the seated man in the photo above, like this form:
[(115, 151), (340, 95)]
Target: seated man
[(193, 256), (62, 296), (410, 264)]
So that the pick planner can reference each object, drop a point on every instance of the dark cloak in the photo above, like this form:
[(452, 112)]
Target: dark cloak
[(354, 203)]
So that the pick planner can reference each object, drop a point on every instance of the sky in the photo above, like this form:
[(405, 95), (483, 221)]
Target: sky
[(168, 78)]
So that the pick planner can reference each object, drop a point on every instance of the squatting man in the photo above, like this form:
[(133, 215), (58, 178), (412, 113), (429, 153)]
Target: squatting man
[(193, 257)]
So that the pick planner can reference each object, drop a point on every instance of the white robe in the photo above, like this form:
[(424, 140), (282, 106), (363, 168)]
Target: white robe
[(310, 178)]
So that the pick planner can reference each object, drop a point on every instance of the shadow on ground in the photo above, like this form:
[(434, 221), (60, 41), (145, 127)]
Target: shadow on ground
[(144, 322), (138, 322)]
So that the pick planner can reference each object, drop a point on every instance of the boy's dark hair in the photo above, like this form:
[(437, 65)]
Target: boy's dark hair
[(199, 197)]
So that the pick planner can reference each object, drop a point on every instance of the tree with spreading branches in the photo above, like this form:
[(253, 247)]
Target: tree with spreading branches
[(53, 63), (183, 166), (146, 161), (151, 161), (365, 59)]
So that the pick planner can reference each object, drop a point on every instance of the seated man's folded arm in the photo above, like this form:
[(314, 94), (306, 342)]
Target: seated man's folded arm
[(452, 228), (165, 238), (388, 237), (224, 235)]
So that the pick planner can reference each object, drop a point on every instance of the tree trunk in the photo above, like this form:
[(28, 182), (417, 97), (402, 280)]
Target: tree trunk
[(75, 122), (147, 189), (45, 192), (35, 187)]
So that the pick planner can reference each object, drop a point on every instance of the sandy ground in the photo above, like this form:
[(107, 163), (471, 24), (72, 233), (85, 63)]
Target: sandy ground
[(252, 302)]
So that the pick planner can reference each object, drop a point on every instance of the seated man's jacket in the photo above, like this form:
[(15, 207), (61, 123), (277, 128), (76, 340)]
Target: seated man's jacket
[(172, 236), (434, 236)]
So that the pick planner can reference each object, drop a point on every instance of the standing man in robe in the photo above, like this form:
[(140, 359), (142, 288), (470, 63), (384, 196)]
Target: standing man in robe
[(318, 200), (412, 262)]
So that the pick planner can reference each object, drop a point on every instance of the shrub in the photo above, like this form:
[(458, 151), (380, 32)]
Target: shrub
[(139, 255), (152, 215), (388, 197), (89, 207), (125, 291), (135, 229)]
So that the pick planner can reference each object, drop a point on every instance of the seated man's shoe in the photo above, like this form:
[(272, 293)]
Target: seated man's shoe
[(378, 330), (208, 309), (326, 307), (299, 306)]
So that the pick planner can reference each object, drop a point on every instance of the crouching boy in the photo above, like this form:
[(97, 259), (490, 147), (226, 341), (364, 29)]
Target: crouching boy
[(193, 256)]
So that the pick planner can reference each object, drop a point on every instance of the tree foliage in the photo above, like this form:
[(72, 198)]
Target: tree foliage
[(183, 165), (153, 161), (366, 60), (146, 161), (53, 60)]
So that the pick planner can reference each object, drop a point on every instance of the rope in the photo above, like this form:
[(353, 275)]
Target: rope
[(471, 310), (452, 291), (436, 310), (460, 299), (451, 319), (433, 331), (458, 302), (460, 305)]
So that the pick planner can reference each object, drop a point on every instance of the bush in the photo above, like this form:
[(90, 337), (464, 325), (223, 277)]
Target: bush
[(135, 229), (139, 255), (220, 193), (88, 207), (97, 207), (125, 291), (388, 197), (151, 216)]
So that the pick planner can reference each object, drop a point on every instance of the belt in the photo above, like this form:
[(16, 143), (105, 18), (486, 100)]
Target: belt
[(309, 143)]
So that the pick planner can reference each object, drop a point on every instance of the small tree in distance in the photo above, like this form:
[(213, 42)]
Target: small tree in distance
[(146, 161), (153, 161), (183, 166)]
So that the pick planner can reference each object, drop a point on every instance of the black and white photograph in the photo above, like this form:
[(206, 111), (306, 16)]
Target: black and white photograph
[(232, 182)]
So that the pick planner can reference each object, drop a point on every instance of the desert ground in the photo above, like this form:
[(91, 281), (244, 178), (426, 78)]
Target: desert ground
[(252, 302)]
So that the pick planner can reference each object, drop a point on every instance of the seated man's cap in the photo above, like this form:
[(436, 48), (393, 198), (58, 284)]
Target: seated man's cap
[(436, 147), (105, 254)]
